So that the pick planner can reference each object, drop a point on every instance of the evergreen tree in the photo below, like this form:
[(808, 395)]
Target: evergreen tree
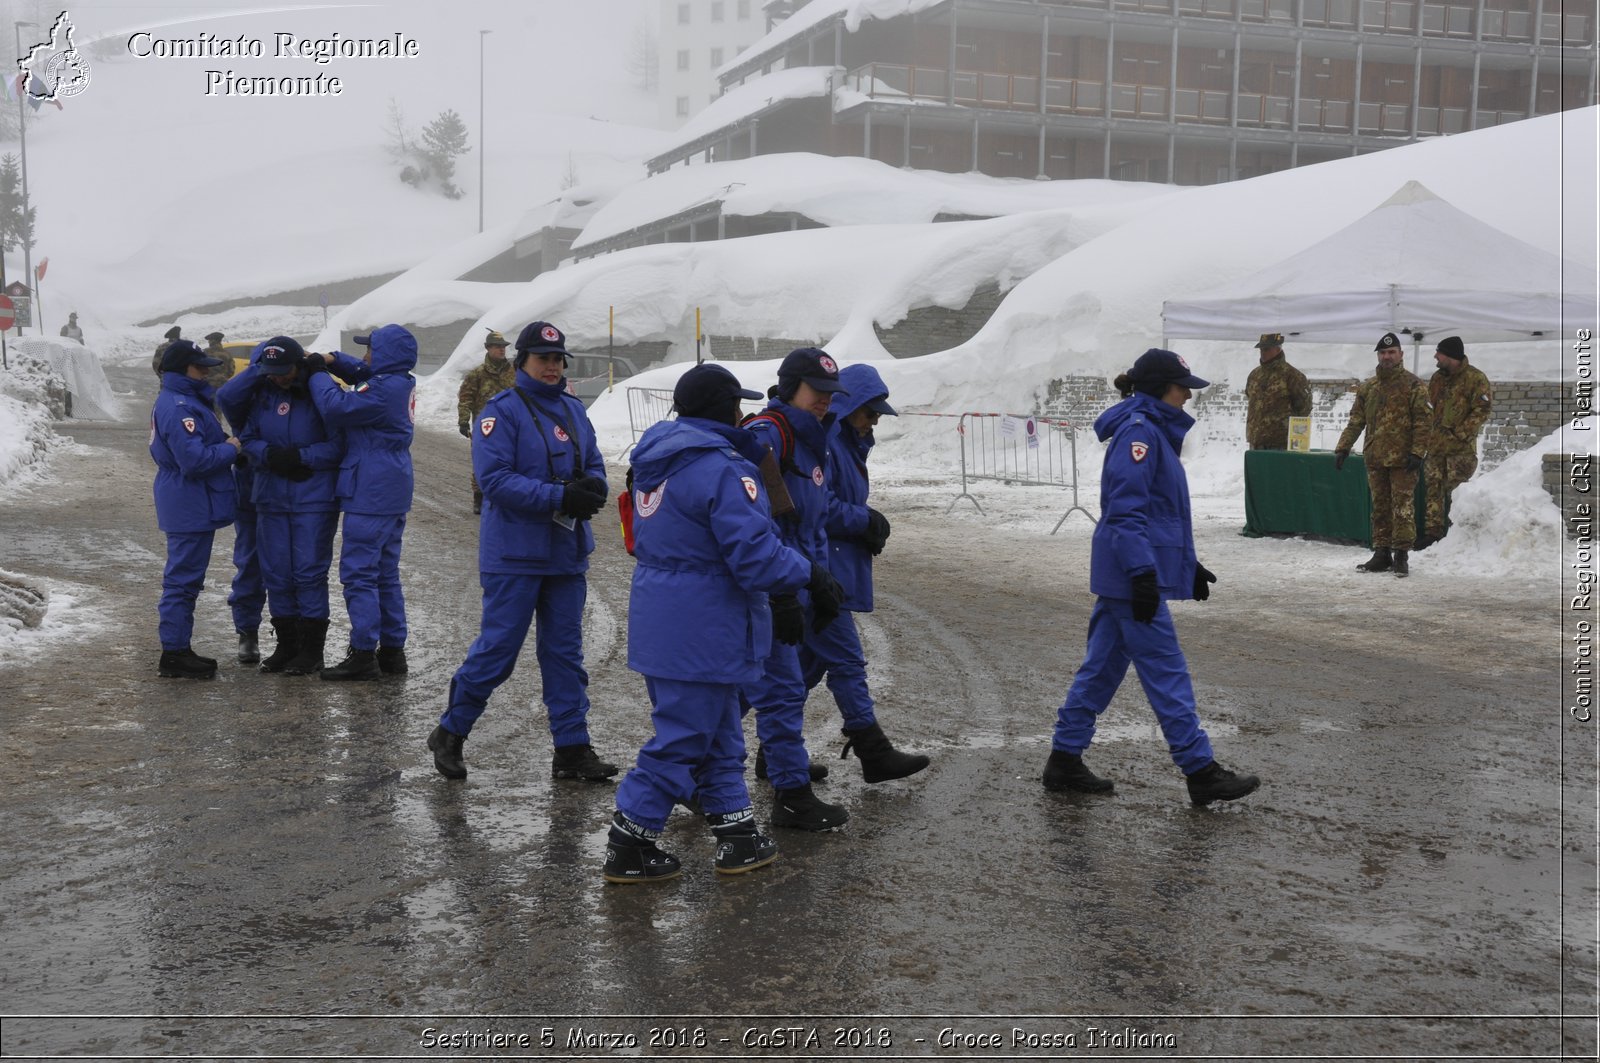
[(443, 139), (16, 216)]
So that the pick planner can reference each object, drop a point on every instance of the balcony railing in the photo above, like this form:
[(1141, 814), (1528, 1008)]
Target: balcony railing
[(1206, 106)]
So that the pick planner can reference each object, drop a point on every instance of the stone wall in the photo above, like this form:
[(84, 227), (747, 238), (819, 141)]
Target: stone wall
[(1570, 480), (926, 329)]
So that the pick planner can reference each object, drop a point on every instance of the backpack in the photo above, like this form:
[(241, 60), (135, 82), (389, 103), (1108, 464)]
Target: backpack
[(625, 512), (785, 453)]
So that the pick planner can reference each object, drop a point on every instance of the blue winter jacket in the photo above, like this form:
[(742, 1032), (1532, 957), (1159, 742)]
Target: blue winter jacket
[(194, 486), (805, 475), (848, 559), (523, 462), (378, 419), (233, 399), (286, 417), (708, 555), (1145, 523)]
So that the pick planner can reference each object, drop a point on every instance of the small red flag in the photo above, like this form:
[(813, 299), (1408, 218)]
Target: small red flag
[(38, 271)]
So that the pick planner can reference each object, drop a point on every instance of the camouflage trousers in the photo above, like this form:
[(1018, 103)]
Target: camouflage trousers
[(1394, 506), (1444, 474)]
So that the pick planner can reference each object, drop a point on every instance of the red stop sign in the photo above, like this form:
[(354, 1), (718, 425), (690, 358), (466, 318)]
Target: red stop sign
[(8, 315)]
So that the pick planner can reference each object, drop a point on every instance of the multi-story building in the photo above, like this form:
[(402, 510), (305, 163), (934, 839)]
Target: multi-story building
[(696, 38), (1186, 91)]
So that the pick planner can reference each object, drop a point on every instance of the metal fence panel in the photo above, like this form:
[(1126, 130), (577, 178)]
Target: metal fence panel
[(1020, 449), (646, 406)]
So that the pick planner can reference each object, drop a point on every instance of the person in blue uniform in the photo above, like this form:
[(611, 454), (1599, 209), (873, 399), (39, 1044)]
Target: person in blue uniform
[(856, 533), (699, 624), (248, 595), (378, 419), (296, 460), (795, 426), (1142, 556), (194, 495), (543, 478)]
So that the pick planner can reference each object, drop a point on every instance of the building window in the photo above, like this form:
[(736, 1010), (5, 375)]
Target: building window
[(683, 106), (683, 14), (744, 10), (683, 59), (716, 58), (716, 10)]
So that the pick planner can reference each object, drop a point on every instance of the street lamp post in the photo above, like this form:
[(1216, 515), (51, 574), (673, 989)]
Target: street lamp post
[(22, 132), (481, 35)]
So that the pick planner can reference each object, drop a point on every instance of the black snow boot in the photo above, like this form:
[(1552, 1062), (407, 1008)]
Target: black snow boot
[(632, 855), (580, 762), (818, 771), (288, 632), (1067, 771), (1216, 783), (357, 665), (1402, 566), (802, 810), (185, 664), (307, 659), (249, 646), (1380, 561), (741, 846), (392, 660), (448, 759), (477, 502), (880, 760)]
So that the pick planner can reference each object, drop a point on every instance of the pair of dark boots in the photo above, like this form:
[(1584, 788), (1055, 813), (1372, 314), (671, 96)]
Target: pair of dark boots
[(1384, 559), (568, 762), (880, 760), (360, 665), (185, 664), (249, 645), (301, 640), (633, 856), (1067, 771)]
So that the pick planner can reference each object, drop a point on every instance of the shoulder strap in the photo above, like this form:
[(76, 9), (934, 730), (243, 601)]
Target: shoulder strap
[(785, 436)]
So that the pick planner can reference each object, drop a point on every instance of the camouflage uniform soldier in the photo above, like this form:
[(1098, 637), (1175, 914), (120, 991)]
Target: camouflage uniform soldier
[(218, 375), (1276, 391), (171, 334), (495, 375), (1392, 407), (1459, 394)]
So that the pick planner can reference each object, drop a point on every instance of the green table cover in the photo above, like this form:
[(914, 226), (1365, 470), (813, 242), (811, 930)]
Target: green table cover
[(1302, 494)]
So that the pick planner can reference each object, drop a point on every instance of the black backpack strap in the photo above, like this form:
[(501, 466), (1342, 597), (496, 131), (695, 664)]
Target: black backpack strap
[(785, 437)]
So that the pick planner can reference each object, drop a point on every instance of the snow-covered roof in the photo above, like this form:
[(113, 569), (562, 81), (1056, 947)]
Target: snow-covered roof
[(751, 98), (853, 12)]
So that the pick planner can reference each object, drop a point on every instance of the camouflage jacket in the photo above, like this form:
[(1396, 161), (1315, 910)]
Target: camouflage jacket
[(155, 363), (1460, 408), (1392, 407), (483, 384), (1276, 391), (218, 375)]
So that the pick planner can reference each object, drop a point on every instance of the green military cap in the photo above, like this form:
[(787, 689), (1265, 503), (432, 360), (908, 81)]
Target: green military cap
[(1269, 340), (495, 339)]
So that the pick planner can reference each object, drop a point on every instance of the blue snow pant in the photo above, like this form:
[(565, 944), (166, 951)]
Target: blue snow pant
[(249, 592), (698, 749), (188, 555), (1115, 639), (510, 603), (296, 551), (369, 569), (835, 651), (779, 700)]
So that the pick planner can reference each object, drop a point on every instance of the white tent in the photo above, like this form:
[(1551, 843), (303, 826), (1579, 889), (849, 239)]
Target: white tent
[(1414, 265)]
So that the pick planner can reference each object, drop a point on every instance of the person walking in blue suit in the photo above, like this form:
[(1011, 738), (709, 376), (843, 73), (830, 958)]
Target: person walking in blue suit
[(699, 625), (795, 425), (194, 495), (543, 478), (1142, 556), (296, 460), (378, 419), (856, 533)]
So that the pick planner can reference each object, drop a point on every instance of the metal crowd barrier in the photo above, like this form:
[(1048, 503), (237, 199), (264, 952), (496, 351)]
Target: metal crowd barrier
[(646, 406), (1020, 449)]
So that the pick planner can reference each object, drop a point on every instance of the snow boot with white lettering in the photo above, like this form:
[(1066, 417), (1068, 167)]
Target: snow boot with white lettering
[(818, 771), (313, 637), (1067, 771), (632, 855), (249, 646), (880, 760), (1380, 561), (1216, 783), (288, 632), (801, 810), (1402, 565), (580, 762), (741, 846)]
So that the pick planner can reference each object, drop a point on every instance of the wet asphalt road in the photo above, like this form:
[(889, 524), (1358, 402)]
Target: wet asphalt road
[(266, 865)]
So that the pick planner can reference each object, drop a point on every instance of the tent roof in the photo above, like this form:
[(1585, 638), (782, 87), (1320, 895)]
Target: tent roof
[(1414, 263)]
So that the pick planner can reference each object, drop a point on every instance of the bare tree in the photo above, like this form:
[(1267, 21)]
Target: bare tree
[(644, 58)]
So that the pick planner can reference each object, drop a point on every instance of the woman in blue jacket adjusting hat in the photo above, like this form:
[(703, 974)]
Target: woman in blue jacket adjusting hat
[(856, 533), (537, 462), (699, 625), (296, 461), (1142, 556), (378, 419), (195, 495)]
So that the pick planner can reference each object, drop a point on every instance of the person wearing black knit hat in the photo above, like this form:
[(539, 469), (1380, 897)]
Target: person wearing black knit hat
[(1461, 397)]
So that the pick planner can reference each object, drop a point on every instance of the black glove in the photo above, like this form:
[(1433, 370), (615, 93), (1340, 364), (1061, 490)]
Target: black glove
[(788, 619), (301, 474), (1414, 463), (583, 497), (310, 365), (283, 461), (877, 532), (466, 428), (1202, 576), (1338, 459), (1146, 597), (827, 597)]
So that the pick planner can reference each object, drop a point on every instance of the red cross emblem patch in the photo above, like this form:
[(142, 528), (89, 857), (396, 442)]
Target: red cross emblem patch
[(650, 501), (749, 487), (188, 424), (486, 425), (828, 364), (1139, 450), (283, 409), (549, 334), (816, 475), (561, 434)]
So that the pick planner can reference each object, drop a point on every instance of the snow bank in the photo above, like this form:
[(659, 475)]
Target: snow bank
[(79, 367)]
